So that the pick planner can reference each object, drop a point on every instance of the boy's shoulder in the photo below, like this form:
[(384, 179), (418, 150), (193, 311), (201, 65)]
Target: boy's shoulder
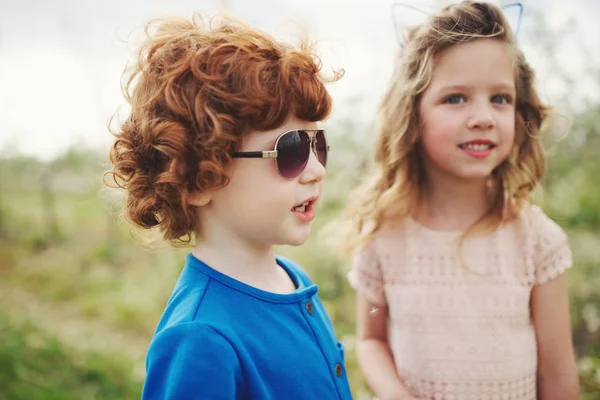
[(190, 346), (195, 301), (184, 303), (187, 322), (296, 269)]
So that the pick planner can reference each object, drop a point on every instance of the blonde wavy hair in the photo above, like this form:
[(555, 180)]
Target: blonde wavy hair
[(392, 191)]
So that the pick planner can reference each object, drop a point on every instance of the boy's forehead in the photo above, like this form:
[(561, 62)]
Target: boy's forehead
[(270, 135)]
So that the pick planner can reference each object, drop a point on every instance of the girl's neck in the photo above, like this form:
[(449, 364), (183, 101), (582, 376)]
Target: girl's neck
[(451, 205)]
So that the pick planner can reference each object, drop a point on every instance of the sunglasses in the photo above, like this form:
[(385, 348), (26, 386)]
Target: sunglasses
[(292, 151)]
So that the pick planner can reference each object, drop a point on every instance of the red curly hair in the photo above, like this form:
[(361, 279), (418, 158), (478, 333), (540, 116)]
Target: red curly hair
[(194, 91)]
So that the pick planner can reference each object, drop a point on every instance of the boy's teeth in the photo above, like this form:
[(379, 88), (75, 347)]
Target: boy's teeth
[(302, 207)]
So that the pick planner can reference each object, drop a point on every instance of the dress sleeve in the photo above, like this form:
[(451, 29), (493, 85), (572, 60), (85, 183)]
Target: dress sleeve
[(366, 275), (552, 254)]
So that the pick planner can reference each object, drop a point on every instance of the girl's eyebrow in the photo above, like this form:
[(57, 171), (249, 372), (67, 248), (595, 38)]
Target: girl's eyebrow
[(499, 86)]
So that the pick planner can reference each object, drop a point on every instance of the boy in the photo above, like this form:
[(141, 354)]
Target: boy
[(222, 145)]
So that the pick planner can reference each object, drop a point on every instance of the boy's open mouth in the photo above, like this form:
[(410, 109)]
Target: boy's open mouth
[(302, 207), (305, 211)]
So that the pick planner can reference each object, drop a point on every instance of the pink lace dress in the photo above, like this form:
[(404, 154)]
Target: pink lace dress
[(459, 320)]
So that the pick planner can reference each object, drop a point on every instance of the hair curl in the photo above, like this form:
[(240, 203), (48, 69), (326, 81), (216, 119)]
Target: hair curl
[(195, 89)]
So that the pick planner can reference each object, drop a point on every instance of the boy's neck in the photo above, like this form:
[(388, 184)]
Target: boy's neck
[(451, 204), (248, 263)]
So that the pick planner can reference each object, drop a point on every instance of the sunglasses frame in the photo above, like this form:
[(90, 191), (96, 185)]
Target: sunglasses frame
[(312, 140)]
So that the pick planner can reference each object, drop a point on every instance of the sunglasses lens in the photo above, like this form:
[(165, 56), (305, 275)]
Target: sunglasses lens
[(293, 149), (321, 147)]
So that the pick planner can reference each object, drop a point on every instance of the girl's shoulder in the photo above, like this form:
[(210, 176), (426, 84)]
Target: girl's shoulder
[(536, 222), (547, 243)]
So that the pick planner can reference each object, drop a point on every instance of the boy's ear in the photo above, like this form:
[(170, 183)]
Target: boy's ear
[(199, 199)]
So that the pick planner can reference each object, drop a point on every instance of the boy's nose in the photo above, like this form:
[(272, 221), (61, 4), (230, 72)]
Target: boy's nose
[(314, 171)]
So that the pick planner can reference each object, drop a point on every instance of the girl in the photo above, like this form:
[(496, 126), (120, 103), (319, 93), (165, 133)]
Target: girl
[(223, 146), (461, 287)]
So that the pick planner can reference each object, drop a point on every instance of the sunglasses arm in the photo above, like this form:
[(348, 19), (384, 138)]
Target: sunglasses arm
[(256, 154)]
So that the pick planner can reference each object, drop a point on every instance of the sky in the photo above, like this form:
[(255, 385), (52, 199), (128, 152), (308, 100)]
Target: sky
[(61, 60)]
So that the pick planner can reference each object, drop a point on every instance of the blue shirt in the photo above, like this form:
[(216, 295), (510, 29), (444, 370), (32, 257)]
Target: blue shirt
[(222, 339)]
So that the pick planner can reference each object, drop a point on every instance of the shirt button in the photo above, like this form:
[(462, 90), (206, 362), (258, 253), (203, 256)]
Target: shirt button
[(338, 370), (309, 307)]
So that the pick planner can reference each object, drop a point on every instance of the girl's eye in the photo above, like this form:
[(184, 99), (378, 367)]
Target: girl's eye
[(454, 99), (502, 99)]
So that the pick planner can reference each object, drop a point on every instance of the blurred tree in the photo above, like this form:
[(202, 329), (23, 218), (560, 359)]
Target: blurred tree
[(49, 217), (2, 217)]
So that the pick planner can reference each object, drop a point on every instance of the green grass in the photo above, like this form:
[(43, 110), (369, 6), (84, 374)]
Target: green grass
[(35, 366)]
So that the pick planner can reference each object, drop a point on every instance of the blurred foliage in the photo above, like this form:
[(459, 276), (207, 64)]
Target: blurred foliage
[(34, 366)]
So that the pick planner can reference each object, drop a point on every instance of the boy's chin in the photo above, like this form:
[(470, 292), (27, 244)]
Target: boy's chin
[(296, 244), (298, 240)]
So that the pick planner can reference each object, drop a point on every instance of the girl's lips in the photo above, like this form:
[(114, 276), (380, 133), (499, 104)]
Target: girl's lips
[(478, 148), (478, 153)]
